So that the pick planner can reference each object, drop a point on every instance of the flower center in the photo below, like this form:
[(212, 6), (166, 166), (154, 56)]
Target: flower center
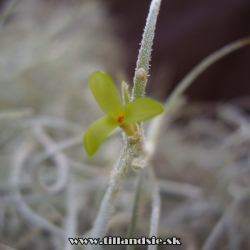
[(120, 118)]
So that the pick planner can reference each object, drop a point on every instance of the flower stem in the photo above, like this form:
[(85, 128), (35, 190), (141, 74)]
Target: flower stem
[(107, 205), (133, 219), (127, 154), (142, 65)]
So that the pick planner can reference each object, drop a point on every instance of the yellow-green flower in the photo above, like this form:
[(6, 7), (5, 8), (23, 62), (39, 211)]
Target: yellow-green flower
[(126, 117)]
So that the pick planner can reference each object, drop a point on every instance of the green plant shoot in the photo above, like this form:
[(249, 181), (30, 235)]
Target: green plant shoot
[(126, 117)]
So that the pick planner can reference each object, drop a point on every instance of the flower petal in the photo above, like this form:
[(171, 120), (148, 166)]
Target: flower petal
[(105, 93), (141, 110), (97, 133)]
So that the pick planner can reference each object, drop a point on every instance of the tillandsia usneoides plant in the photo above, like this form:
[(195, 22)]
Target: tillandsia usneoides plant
[(128, 117)]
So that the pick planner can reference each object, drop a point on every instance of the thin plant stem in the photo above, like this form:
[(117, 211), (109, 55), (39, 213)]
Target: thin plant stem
[(107, 205), (142, 65), (202, 66), (53, 122), (181, 189), (4, 247), (7, 12), (156, 206), (15, 114), (52, 148), (221, 226), (72, 209), (134, 214), (175, 101), (59, 159)]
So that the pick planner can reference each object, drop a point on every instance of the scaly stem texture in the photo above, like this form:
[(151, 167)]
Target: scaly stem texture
[(107, 205), (142, 65), (133, 218), (126, 157), (156, 207)]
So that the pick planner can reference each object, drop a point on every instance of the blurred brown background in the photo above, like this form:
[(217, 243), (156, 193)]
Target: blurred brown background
[(187, 32)]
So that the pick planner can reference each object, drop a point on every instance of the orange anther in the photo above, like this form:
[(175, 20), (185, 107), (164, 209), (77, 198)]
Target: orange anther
[(120, 118)]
